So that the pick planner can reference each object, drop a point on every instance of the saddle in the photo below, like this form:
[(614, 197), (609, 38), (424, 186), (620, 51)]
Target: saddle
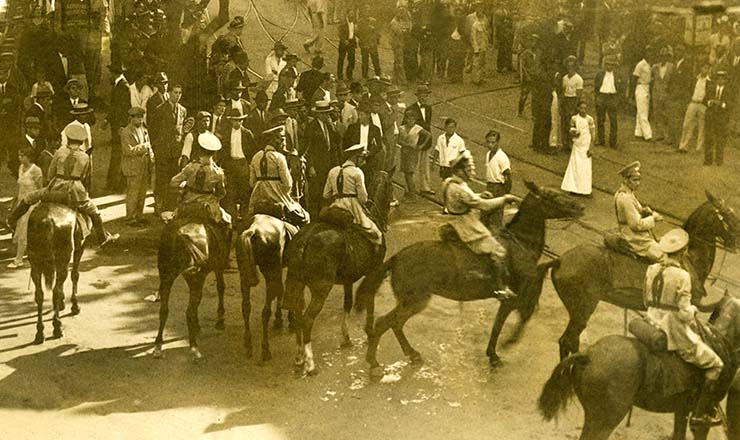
[(278, 210), (615, 242), (194, 236), (338, 217)]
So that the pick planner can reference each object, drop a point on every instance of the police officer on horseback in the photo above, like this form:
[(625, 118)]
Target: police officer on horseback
[(466, 206), (667, 295), (345, 189), (636, 222), (69, 168), (272, 182)]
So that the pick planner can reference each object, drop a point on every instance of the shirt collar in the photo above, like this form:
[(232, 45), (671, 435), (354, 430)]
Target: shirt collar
[(119, 78), (349, 162)]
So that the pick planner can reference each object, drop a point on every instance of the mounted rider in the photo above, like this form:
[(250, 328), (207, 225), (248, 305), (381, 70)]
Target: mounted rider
[(636, 222), (203, 184), (271, 181), (667, 295), (465, 207), (69, 167), (345, 189)]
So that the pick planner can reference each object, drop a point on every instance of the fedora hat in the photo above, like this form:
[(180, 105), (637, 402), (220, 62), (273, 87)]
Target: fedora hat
[(423, 89), (294, 103), (279, 45), (673, 241), (43, 92), (342, 89), (321, 107), (235, 115), (274, 130), (278, 115), (81, 108), (32, 121), (72, 82), (236, 84), (209, 142), (136, 111), (160, 78)]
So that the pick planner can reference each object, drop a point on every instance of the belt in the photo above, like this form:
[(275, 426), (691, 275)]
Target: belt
[(267, 178), (697, 102), (345, 196), (661, 306), (198, 191), (65, 177)]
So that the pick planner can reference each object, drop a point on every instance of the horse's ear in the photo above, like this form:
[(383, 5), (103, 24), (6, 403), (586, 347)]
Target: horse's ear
[(531, 186), (717, 202)]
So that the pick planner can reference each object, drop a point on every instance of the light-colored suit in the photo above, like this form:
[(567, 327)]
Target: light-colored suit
[(136, 165)]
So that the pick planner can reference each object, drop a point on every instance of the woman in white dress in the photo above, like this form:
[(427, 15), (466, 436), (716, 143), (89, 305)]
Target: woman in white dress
[(577, 179), (30, 178)]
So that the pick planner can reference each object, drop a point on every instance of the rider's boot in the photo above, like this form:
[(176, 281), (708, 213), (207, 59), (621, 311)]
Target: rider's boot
[(21, 208), (104, 237), (704, 413), (500, 283)]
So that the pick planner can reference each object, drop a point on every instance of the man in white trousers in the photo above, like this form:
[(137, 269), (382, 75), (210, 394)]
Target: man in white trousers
[(642, 76)]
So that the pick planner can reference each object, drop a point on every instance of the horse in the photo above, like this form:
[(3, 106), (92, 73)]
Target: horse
[(324, 254), (612, 376), (174, 257), (582, 276), (261, 245), (54, 237), (452, 271)]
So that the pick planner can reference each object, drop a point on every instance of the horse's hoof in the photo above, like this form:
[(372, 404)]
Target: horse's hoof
[(157, 353), (197, 356), (312, 372), (346, 343), (220, 325), (298, 361), (416, 359), (75, 310), (377, 371), (278, 324), (266, 355), (58, 333), (39, 338), (494, 361)]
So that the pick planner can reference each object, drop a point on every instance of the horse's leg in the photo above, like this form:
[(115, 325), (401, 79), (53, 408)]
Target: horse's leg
[(273, 288), (600, 426), (195, 282), (570, 341), (405, 312), (246, 312), (504, 310), (680, 420), (36, 276), (60, 277), (77, 257), (220, 288), (319, 293), (346, 341), (381, 326), (280, 292), (165, 288), (733, 410)]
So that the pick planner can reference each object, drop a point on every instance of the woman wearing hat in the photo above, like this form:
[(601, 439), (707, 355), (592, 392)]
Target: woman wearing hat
[(667, 295), (466, 207), (345, 189), (202, 183)]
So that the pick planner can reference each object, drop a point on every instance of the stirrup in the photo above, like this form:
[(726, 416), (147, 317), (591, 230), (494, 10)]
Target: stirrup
[(109, 238), (504, 294), (706, 420)]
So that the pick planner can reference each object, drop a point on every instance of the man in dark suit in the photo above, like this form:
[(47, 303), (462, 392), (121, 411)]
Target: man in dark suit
[(608, 87), (719, 100), (365, 133), (347, 45), (257, 118), (219, 122), (423, 111), (165, 122), (321, 149), (117, 119), (67, 100), (239, 146), (42, 109), (310, 80), (11, 98)]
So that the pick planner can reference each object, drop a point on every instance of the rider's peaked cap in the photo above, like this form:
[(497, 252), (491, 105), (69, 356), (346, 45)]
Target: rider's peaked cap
[(76, 132), (673, 241), (630, 170), (208, 141)]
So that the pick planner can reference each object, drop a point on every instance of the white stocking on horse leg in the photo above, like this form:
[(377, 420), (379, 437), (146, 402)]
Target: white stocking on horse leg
[(309, 365)]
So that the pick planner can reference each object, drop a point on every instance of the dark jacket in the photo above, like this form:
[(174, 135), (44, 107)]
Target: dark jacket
[(320, 155), (426, 123), (618, 83), (719, 109), (120, 103), (374, 139), (344, 40), (249, 145), (308, 82)]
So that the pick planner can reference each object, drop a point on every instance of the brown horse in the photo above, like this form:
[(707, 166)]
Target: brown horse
[(322, 255), (582, 276), (450, 270), (261, 245), (612, 376), (54, 237), (172, 260)]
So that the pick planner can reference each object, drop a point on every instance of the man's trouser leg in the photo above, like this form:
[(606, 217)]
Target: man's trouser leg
[(89, 208), (365, 55), (705, 358), (350, 63), (690, 122), (642, 122), (398, 68), (341, 54), (700, 126), (410, 183), (524, 89), (601, 120), (376, 60), (114, 179), (567, 109), (133, 184), (423, 170)]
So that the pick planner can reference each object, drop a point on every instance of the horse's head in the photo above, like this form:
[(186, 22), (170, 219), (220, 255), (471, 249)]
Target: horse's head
[(716, 220), (554, 204), (382, 195)]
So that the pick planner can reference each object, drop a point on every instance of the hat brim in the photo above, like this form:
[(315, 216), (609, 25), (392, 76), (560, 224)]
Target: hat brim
[(321, 110), (81, 112), (237, 118)]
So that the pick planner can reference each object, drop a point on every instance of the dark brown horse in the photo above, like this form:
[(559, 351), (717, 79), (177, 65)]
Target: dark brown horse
[(582, 276), (322, 255), (261, 246), (611, 377), (174, 258), (54, 237), (450, 270)]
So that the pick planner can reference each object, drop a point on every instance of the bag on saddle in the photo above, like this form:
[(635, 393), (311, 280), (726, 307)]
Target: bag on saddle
[(650, 335), (336, 216)]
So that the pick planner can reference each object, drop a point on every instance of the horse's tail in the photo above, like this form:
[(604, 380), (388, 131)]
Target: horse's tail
[(245, 258), (558, 389), (369, 286), (533, 290)]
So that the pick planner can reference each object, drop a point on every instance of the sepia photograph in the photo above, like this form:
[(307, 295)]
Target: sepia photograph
[(369, 219)]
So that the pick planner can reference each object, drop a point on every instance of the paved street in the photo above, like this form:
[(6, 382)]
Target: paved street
[(100, 379)]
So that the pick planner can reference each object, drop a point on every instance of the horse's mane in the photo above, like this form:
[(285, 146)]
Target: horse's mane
[(696, 218)]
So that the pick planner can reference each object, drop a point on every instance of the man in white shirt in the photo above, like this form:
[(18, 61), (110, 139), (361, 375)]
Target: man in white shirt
[(572, 89), (693, 121), (274, 63), (642, 77), (317, 12), (449, 146), (240, 147), (498, 175), (608, 89)]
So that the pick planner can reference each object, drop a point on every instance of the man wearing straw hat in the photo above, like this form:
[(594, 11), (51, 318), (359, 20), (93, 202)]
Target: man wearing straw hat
[(636, 222), (667, 295), (321, 151), (239, 148), (345, 189)]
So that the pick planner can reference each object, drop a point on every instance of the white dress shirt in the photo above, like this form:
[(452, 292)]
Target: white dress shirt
[(607, 84), (496, 164), (236, 144)]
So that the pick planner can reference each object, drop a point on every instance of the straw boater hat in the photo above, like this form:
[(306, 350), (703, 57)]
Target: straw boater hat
[(209, 142), (321, 107), (631, 170), (75, 132), (394, 91), (81, 108), (235, 115), (277, 129), (294, 103), (673, 241), (342, 89)]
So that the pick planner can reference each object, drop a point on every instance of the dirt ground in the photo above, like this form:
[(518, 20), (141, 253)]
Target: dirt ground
[(99, 379)]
